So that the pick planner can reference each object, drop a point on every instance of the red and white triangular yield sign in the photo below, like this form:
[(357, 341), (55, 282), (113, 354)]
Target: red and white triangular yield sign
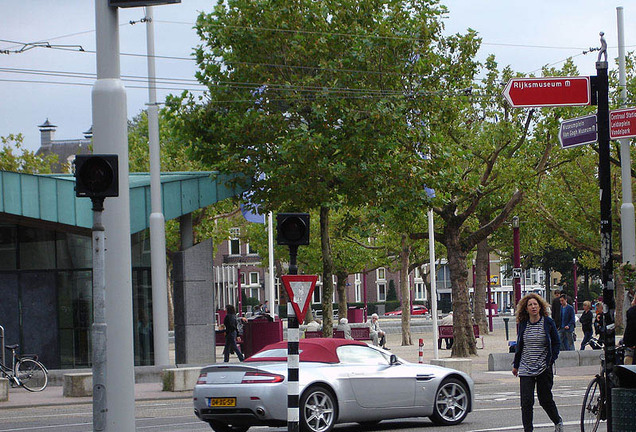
[(299, 289)]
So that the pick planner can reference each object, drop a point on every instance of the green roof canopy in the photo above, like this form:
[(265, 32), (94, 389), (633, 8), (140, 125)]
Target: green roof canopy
[(51, 197)]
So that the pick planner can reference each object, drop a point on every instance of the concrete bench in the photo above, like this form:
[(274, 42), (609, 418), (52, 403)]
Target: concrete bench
[(4, 389), (461, 364), (78, 384), (179, 379), (503, 361)]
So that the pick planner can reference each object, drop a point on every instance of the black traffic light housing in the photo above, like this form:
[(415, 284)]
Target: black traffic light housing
[(96, 176), (292, 229)]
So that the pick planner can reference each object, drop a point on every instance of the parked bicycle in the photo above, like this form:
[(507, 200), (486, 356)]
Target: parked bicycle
[(25, 371), (593, 409)]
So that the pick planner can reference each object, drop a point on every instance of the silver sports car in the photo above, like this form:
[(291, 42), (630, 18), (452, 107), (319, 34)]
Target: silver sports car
[(340, 381)]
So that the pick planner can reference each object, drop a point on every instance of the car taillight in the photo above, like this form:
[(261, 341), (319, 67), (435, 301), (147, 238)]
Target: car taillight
[(261, 378), (203, 378)]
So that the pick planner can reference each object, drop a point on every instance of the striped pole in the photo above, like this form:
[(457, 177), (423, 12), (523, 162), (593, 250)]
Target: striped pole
[(421, 354), (293, 411)]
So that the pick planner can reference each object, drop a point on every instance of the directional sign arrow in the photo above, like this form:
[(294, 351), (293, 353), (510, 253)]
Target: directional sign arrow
[(578, 131), (549, 91)]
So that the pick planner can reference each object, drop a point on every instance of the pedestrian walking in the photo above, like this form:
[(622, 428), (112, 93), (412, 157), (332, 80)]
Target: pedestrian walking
[(566, 329), (537, 350), (629, 338), (587, 317), (231, 331)]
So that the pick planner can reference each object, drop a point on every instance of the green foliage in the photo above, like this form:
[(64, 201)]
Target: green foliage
[(15, 158), (391, 295)]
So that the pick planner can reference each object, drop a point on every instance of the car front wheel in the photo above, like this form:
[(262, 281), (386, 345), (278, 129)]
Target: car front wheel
[(223, 427), (451, 403), (318, 410)]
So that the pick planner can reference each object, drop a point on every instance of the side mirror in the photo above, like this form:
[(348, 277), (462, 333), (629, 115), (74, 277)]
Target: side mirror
[(394, 360)]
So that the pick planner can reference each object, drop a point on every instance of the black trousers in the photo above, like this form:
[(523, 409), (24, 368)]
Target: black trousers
[(231, 346), (544, 383)]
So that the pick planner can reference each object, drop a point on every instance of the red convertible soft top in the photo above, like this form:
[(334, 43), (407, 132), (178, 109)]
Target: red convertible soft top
[(322, 350)]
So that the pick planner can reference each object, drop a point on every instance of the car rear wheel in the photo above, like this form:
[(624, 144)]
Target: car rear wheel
[(318, 410), (451, 403), (223, 427)]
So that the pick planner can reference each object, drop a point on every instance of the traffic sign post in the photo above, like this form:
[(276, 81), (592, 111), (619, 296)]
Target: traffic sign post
[(622, 123), (578, 131), (548, 91)]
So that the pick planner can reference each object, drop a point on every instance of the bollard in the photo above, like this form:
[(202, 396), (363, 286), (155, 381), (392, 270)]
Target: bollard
[(506, 319), (421, 354)]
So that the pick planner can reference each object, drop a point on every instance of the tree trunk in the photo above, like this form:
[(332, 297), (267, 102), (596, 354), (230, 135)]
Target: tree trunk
[(481, 286), (405, 253), (327, 272), (342, 294), (463, 339)]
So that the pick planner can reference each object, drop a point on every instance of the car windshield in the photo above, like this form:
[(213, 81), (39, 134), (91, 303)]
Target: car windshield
[(272, 353), (363, 355)]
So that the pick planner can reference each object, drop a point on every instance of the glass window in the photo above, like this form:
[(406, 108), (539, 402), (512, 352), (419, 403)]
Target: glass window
[(235, 245), (254, 279), (37, 248), (8, 247), (362, 355), (74, 251), (381, 273), (420, 291), (381, 292), (140, 248), (75, 316)]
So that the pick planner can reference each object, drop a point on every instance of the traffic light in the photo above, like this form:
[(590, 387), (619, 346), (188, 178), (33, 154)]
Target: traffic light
[(96, 176), (292, 229)]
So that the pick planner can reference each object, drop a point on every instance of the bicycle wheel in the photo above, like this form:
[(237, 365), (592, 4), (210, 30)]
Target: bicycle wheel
[(593, 406), (32, 375)]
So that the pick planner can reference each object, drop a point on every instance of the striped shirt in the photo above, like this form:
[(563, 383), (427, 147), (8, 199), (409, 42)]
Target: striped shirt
[(535, 350)]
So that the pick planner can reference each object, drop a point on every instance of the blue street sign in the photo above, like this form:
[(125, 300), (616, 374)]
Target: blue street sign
[(578, 131)]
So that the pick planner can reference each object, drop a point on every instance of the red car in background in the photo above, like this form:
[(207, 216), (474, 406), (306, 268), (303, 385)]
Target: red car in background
[(417, 310)]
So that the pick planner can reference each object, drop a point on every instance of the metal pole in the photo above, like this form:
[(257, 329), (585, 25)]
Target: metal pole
[(240, 291), (99, 334), (293, 355), (517, 257), (607, 268), (270, 247), (431, 251), (110, 136), (490, 328), (628, 232), (157, 222), (364, 291)]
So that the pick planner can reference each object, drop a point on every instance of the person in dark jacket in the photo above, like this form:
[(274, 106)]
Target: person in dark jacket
[(537, 350), (231, 331), (587, 317), (598, 319), (629, 337), (555, 308), (566, 329)]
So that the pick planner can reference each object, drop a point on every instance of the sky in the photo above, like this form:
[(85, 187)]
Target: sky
[(55, 83)]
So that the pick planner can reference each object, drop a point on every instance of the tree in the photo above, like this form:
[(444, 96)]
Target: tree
[(13, 157), (316, 101)]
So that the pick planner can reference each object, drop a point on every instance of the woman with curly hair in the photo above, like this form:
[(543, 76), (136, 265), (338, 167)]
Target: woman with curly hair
[(537, 350)]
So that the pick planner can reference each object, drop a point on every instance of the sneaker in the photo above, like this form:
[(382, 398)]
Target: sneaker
[(558, 427)]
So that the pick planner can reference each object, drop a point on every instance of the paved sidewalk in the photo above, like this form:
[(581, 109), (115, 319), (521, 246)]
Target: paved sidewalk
[(493, 343)]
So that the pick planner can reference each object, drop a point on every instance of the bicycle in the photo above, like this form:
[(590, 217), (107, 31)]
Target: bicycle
[(25, 371), (593, 409)]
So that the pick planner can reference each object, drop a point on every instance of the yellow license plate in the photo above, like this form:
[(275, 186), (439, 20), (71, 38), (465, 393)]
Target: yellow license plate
[(222, 402)]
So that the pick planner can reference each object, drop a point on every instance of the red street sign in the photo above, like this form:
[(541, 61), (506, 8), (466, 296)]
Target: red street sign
[(623, 123), (299, 289), (546, 92)]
